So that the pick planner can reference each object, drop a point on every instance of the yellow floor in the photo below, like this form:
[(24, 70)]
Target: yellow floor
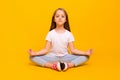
[(25, 23), (103, 64)]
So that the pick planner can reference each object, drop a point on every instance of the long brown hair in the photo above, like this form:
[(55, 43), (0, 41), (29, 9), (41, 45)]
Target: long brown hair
[(66, 24)]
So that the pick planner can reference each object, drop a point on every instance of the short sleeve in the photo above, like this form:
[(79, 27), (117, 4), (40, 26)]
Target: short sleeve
[(48, 37), (71, 38)]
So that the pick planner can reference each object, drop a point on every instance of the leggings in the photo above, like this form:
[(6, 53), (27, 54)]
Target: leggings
[(50, 57)]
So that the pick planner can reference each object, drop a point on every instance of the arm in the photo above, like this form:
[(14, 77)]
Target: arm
[(45, 49), (74, 50), (41, 52)]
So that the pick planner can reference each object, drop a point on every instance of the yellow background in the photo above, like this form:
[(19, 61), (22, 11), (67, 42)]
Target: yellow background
[(25, 23)]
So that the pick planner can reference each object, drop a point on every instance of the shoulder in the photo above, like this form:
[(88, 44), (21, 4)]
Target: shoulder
[(51, 32), (68, 32)]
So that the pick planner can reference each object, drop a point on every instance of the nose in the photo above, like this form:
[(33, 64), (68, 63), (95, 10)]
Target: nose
[(59, 19)]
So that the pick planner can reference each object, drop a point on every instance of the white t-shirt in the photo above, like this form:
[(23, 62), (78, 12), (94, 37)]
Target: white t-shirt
[(59, 42)]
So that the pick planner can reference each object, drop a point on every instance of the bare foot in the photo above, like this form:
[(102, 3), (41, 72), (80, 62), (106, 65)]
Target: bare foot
[(89, 52), (31, 52)]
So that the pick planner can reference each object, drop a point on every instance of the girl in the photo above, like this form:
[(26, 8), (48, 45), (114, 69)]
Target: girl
[(55, 54)]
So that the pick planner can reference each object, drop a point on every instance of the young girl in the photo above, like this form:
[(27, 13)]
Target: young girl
[(55, 54)]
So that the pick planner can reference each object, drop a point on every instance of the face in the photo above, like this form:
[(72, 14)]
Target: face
[(60, 17)]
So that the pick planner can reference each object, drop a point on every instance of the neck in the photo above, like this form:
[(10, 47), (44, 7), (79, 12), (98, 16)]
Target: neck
[(60, 27)]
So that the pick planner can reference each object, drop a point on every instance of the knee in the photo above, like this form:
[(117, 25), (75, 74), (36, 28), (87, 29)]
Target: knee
[(82, 60), (33, 58), (85, 58)]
